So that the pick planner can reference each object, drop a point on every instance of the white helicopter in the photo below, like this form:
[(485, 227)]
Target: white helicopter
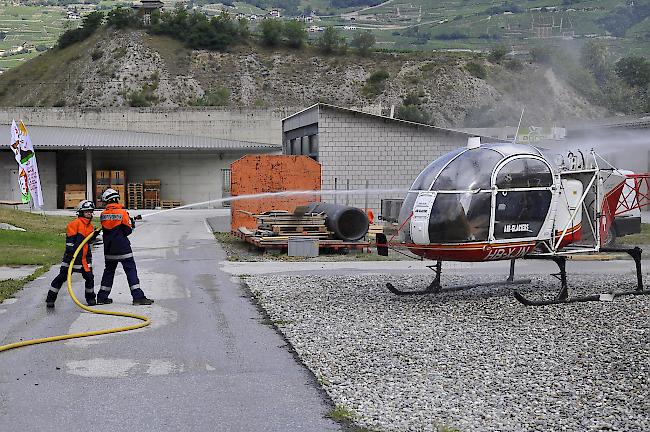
[(500, 201)]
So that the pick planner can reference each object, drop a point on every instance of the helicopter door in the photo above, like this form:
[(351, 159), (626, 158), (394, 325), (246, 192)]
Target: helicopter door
[(421, 214)]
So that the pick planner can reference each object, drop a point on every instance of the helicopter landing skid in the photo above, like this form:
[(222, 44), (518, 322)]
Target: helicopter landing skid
[(435, 287), (562, 296)]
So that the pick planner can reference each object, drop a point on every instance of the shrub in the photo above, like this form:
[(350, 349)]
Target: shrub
[(515, 65), (363, 41), (331, 41), (412, 113), (294, 32), (96, 54), (497, 54), (476, 69)]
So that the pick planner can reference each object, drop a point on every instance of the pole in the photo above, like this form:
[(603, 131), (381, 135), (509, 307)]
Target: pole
[(335, 185), (89, 175)]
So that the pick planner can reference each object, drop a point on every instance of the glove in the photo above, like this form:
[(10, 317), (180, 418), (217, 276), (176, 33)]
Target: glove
[(132, 223), (95, 234)]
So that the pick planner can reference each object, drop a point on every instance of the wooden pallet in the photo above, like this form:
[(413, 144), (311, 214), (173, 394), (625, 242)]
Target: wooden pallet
[(151, 203), (277, 242), (167, 204), (135, 196)]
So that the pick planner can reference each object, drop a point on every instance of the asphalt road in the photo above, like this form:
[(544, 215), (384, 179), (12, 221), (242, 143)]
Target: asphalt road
[(208, 361)]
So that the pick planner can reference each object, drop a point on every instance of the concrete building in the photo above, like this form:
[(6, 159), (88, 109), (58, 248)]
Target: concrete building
[(359, 150), (191, 169), (188, 149)]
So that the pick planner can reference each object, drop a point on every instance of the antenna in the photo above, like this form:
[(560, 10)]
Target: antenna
[(514, 141)]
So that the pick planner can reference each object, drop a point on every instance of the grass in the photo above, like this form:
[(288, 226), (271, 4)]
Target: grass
[(341, 414), (42, 244), (643, 238)]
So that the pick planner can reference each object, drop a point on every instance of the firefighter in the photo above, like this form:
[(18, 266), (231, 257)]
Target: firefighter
[(76, 231), (117, 225)]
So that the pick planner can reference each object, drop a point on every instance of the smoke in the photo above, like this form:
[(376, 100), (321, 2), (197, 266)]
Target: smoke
[(627, 149)]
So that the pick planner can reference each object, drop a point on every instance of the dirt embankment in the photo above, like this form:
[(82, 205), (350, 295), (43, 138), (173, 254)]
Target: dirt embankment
[(135, 69)]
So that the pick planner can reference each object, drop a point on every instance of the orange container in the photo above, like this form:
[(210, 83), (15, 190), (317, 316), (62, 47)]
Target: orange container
[(254, 174)]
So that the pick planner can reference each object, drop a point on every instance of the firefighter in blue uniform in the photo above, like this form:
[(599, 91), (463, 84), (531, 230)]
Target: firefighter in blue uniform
[(76, 232), (117, 225)]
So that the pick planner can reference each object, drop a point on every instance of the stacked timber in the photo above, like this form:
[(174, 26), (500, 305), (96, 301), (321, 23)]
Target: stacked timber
[(151, 193)]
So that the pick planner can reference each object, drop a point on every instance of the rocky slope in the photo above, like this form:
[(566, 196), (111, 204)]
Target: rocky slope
[(136, 69)]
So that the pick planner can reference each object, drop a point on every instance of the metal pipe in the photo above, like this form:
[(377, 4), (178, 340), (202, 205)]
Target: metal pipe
[(347, 223)]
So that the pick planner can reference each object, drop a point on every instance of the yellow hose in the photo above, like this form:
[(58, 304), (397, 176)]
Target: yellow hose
[(146, 320)]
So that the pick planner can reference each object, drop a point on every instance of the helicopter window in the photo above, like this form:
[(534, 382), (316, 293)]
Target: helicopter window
[(460, 217), (520, 214), (469, 171), (523, 173), (426, 177)]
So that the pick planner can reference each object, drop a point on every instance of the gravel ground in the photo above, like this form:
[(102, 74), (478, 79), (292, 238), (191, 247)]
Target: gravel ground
[(475, 360)]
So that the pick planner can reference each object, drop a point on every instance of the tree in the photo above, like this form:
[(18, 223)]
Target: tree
[(271, 32), (331, 41), (295, 33), (121, 18), (412, 113), (634, 70), (363, 41), (90, 23)]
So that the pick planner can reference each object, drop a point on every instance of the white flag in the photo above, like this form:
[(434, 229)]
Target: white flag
[(24, 153)]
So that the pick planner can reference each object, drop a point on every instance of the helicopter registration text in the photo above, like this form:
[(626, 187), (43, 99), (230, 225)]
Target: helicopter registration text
[(508, 252)]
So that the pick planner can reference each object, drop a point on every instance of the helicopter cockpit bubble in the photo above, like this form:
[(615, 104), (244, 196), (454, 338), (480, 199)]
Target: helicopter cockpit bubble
[(450, 201)]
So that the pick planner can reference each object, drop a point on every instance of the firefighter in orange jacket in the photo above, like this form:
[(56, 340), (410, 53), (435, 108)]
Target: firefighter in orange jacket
[(76, 232), (117, 225)]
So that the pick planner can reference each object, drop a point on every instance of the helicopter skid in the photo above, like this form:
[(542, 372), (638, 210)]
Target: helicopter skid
[(581, 299), (433, 289), (563, 294)]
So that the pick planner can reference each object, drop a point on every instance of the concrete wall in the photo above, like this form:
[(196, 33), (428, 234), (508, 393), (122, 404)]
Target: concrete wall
[(388, 154), (47, 171), (262, 125), (185, 176)]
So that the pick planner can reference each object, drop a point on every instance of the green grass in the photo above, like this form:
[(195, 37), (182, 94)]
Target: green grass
[(341, 414), (643, 238), (42, 244)]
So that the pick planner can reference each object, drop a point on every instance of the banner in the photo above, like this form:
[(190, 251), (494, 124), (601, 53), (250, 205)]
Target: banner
[(28, 177)]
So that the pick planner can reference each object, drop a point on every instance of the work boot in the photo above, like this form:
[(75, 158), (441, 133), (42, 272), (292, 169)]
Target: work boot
[(51, 298), (90, 301), (104, 300), (143, 301)]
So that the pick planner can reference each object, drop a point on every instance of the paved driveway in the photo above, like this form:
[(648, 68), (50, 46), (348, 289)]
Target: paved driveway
[(208, 362)]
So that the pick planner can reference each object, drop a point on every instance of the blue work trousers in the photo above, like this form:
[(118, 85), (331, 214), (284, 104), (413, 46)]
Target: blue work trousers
[(128, 264)]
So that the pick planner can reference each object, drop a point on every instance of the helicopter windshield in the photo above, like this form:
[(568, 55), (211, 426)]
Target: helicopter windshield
[(471, 170)]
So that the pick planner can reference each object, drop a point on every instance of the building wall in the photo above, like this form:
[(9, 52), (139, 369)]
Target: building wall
[(254, 125), (47, 171), (387, 154)]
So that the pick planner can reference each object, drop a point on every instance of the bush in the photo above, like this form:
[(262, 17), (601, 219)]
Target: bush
[(331, 41), (412, 113), (121, 18), (218, 97), (476, 69), (634, 70), (90, 23), (497, 54), (272, 30), (542, 55), (375, 84), (96, 54), (363, 41), (294, 32)]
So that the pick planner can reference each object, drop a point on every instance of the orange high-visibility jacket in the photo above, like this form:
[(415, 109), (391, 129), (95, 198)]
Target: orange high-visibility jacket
[(116, 225), (76, 231)]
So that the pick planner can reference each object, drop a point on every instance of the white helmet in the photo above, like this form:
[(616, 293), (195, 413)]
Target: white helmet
[(85, 205), (110, 194)]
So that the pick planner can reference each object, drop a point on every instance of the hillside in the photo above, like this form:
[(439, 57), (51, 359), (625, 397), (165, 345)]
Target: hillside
[(136, 69)]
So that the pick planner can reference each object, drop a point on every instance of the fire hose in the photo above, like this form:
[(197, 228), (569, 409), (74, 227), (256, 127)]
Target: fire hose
[(146, 320)]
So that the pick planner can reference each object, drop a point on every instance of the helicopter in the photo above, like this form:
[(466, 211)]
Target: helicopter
[(507, 201)]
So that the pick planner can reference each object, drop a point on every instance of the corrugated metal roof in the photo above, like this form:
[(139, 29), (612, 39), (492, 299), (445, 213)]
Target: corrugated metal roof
[(64, 138)]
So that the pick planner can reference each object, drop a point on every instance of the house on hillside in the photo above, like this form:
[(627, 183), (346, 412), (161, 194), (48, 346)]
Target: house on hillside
[(146, 7)]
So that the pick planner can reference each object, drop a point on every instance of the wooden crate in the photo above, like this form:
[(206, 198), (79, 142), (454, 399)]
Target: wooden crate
[(152, 184), (75, 187), (118, 177), (102, 177)]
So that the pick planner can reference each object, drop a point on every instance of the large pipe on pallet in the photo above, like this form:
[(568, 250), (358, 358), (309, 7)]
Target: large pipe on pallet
[(347, 223)]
